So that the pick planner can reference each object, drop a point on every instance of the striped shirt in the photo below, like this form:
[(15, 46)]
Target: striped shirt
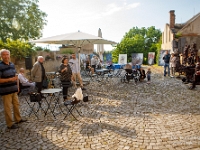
[(7, 71)]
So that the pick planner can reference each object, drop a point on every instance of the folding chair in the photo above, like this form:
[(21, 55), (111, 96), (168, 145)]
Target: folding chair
[(71, 104), (24, 91)]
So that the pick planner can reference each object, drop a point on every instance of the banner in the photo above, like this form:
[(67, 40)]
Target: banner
[(137, 58), (161, 61), (122, 59), (151, 57), (107, 58)]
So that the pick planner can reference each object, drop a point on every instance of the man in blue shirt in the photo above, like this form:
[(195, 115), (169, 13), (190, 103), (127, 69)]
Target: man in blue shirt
[(166, 59), (9, 89)]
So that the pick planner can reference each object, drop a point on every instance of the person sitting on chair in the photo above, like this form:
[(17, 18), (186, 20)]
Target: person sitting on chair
[(196, 76), (24, 81), (88, 67)]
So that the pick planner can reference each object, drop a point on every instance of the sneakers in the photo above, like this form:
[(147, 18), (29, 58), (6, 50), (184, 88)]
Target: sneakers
[(13, 127), (21, 121), (171, 76)]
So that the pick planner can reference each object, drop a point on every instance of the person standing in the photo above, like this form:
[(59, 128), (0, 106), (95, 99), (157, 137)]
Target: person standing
[(172, 64), (9, 89), (38, 73), (65, 76), (24, 81), (148, 75), (76, 71), (94, 62), (166, 59)]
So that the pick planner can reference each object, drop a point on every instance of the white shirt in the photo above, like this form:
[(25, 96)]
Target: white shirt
[(93, 61), (22, 78), (74, 64)]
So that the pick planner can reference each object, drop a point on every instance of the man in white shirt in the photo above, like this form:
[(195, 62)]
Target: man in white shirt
[(94, 62), (24, 81), (75, 66)]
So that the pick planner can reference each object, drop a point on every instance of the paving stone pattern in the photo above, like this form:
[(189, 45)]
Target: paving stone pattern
[(162, 115)]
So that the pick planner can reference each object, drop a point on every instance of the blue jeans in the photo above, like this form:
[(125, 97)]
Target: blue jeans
[(148, 77), (166, 66)]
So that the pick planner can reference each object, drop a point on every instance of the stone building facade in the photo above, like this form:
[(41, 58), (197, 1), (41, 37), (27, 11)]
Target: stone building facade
[(175, 35)]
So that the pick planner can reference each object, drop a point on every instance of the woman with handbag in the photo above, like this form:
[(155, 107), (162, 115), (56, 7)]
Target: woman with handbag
[(65, 76)]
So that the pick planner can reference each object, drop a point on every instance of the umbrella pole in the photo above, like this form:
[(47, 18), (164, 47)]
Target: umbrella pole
[(79, 61)]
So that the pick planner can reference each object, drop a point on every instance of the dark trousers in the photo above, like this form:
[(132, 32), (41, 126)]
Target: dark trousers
[(65, 92), (196, 80), (39, 86), (65, 85), (148, 77)]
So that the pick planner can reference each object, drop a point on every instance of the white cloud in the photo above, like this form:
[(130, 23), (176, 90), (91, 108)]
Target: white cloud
[(113, 8), (133, 5)]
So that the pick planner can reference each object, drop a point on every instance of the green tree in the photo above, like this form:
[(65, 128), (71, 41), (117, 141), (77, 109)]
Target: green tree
[(21, 19), (18, 49), (138, 41)]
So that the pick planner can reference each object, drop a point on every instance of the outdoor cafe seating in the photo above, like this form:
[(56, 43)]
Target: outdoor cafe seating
[(49, 104)]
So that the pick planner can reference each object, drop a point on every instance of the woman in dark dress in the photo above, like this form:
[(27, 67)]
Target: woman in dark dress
[(65, 76)]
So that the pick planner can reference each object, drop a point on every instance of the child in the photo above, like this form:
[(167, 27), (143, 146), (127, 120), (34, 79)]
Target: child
[(148, 75)]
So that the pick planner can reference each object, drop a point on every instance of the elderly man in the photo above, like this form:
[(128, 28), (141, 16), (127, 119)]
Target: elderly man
[(24, 81), (38, 73), (75, 66), (9, 89)]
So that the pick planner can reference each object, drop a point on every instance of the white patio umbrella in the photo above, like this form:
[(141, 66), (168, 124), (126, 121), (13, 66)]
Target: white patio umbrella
[(78, 39), (100, 47)]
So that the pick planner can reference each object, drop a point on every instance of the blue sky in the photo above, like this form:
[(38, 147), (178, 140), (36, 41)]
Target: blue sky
[(114, 17)]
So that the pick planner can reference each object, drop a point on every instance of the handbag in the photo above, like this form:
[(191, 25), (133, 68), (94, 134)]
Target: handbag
[(35, 97), (45, 83), (85, 99)]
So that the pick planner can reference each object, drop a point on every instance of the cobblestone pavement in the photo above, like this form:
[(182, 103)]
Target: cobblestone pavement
[(119, 116)]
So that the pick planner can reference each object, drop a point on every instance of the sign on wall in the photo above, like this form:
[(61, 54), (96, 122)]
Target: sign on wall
[(137, 58), (161, 61), (107, 58), (122, 59), (151, 57)]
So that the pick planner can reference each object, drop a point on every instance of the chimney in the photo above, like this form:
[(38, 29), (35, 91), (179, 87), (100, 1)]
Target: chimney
[(172, 19)]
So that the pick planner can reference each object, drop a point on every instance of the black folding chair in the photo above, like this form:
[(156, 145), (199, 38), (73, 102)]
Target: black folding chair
[(70, 106), (24, 91)]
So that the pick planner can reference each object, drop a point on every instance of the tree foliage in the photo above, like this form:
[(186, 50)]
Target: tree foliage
[(21, 19), (18, 49), (137, 40)]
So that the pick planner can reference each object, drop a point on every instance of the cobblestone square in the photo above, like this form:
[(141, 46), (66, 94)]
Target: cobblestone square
[(162, 115)]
